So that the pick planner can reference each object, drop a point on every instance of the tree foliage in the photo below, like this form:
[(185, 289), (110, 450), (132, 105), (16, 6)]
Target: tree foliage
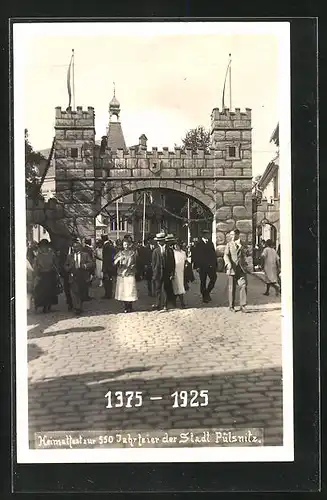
[(197, 138), (32, 161)]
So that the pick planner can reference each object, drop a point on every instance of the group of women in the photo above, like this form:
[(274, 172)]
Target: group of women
[(126, 265)]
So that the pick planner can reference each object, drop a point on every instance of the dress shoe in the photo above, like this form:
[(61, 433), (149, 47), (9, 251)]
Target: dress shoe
[(232, 309), (243, 309)]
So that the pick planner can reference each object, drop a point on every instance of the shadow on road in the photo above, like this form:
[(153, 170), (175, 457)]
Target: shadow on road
[(36, 334), (34, 352), (243, 399)]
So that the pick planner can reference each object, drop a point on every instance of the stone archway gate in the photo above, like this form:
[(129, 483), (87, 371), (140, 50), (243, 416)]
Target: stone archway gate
[(221, 180)]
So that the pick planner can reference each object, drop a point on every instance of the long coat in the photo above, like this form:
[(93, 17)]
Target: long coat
[(204, 255), (235, 256), (163, 264), (108, 254), (82, 273)]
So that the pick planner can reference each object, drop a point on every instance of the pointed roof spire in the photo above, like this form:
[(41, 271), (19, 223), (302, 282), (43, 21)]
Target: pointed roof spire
[(114, 101)]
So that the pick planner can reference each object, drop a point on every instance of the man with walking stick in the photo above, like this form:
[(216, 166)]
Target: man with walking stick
[(236, 269)]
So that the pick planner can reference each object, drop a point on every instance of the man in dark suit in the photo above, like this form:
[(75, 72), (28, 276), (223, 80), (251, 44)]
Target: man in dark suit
[(236, 269), (163, 269), (147, 273), (78, 265), (205, 261), (108, 267)]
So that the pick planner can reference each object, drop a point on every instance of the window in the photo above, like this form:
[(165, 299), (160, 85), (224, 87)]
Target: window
[(123, 226), (147, 225), (74, 152), (232, 151)]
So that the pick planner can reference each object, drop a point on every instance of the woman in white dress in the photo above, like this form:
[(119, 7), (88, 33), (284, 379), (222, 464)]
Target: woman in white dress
[(178, 279), (98, 262), (271, 267), (125, 261)]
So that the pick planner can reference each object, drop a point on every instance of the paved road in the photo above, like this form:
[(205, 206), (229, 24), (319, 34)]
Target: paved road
[(74, 362)]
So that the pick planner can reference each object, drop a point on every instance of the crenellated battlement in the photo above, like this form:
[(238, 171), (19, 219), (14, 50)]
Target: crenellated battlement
[(226, 118), (228, 114), (74, 118), (164, 153)]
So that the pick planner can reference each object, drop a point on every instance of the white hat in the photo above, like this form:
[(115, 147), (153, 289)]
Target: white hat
[(160, 237)]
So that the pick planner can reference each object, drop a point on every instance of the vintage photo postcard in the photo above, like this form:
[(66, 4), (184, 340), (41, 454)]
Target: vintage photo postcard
[(153, 250)]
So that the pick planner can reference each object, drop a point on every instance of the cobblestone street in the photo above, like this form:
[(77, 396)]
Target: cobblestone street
[(74, 362)]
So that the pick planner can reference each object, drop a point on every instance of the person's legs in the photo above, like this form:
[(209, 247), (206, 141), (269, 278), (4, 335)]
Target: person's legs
[(231, 291), (212, 280), (181, 298), (242, 283), (158, 288), (276, 288), (67, 292), (267, 289), (203, 280)]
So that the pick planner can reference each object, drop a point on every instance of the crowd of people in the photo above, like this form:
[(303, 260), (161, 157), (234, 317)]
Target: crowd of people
[(164, 262)]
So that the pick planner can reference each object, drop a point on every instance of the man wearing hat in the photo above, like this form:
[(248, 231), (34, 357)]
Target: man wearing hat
[(78, 265), (163, 269), (205, 261), (236, 269)]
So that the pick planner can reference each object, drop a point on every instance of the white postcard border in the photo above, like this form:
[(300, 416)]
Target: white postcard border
[(213, 454)]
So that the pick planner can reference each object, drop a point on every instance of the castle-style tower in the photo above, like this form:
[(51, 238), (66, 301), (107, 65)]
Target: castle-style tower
[(231, 135), (114, 132), (74, 167), (231, 138)]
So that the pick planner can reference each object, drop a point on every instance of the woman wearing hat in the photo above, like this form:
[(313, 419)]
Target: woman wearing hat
[(178, 279), (125, 261)]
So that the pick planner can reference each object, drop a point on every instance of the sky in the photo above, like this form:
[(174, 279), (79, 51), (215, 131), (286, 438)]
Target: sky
[(167, 79)]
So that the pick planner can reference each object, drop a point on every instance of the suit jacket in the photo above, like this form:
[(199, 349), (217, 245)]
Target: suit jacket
[(108, 253), (235, 256), (86, 264), (204, 255), (163, 264)]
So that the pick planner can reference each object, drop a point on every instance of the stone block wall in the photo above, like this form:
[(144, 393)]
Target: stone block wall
[(75, 187), (221, 180)]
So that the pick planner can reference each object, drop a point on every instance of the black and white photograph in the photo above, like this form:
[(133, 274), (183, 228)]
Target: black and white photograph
[(153, 242)]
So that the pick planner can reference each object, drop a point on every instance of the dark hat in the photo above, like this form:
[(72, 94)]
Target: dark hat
[(160, 237)]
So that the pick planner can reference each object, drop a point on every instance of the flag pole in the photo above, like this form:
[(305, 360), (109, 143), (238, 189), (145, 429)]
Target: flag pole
[(117, 218), (188, 224), (143, 227), (230, 82), (224, 87), (73, 80)]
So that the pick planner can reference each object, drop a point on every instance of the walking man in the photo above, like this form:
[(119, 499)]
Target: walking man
[(78, 265), (108, 267), (148, 275), (163, 268), (236, 268), (205, 262)]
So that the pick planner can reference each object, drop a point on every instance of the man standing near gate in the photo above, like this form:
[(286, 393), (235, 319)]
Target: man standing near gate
[(205, 262), (163, 269), (236, 269)]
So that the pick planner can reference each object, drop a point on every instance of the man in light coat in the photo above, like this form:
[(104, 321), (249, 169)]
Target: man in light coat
[(236, 269)]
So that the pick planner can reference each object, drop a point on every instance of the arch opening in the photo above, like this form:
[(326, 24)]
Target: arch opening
[(158, 209)]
